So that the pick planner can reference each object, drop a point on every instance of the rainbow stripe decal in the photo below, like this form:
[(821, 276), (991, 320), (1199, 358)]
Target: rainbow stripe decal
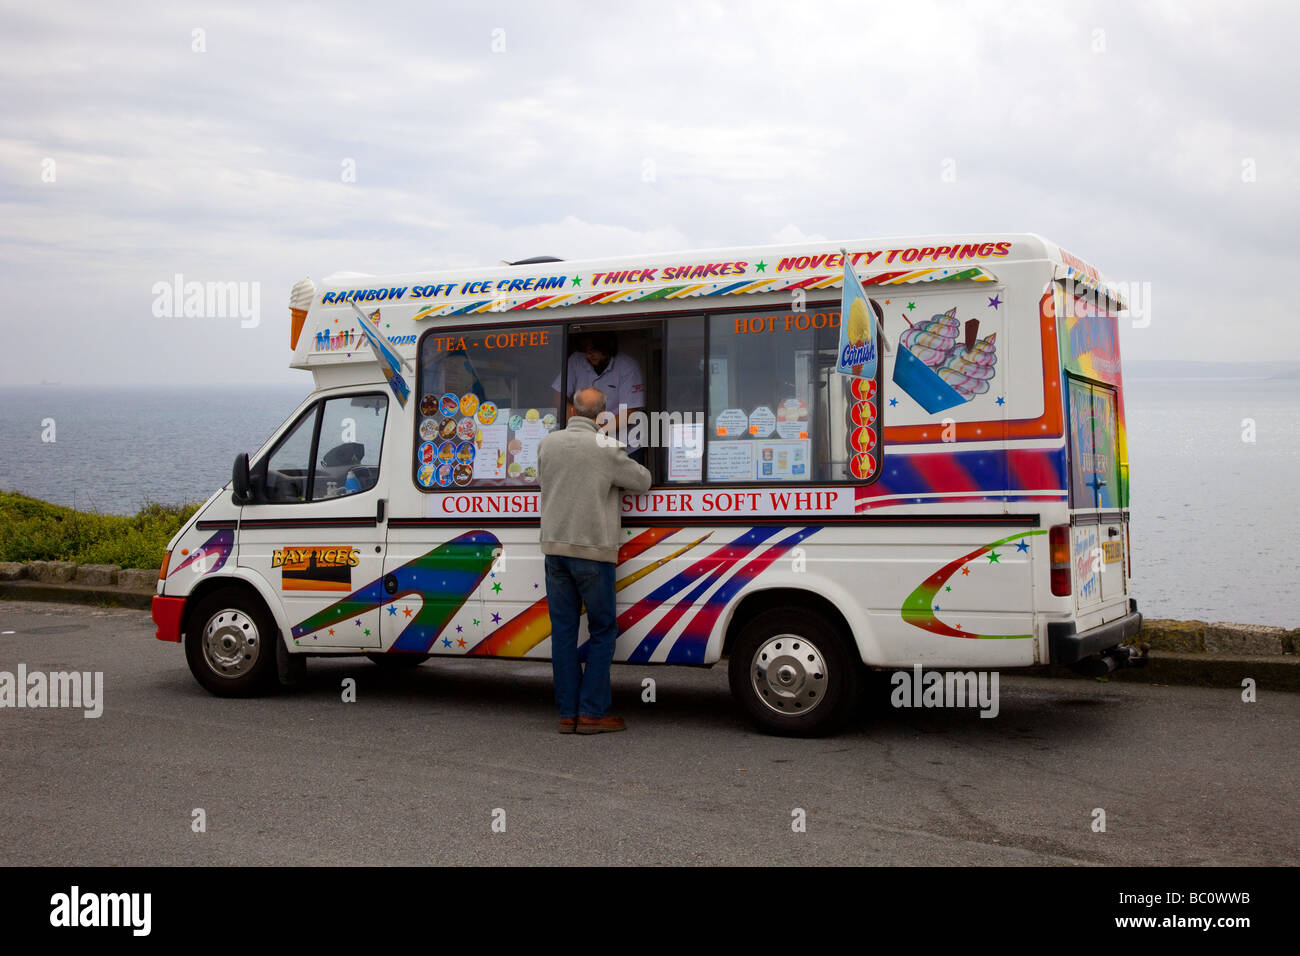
[(692, 289), (919, 608), (442, 578), (690, 645), (988, 475), (219, 546), (519, 635)]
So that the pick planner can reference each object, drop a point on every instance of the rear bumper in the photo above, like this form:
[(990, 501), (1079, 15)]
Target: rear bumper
[(168, 612), (1065, 645)]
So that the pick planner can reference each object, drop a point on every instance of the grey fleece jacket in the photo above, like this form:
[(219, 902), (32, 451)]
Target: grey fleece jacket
[(580, 478)]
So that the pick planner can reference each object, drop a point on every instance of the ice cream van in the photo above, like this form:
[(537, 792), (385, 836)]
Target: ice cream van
[(939, 480)]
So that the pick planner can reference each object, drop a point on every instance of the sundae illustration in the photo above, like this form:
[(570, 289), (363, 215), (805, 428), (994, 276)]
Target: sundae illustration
[(942, 363)]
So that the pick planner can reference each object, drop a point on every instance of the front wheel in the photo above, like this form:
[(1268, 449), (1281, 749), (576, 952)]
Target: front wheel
[(793, 674), (228, 644)]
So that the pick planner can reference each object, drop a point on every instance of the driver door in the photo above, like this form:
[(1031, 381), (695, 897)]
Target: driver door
[(315, 531)]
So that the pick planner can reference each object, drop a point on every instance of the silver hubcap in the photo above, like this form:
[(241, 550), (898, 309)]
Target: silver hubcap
[(230, 643), (789, 674)]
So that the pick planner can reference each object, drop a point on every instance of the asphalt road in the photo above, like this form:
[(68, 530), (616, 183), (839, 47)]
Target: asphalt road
[(412, 772)]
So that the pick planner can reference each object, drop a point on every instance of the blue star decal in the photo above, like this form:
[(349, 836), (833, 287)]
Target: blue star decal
[(392, 610), (1001, 400), (893, 402), (446, 642), (1022, 546)]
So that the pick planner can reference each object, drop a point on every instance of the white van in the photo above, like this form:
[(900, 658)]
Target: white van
[(966, 507)]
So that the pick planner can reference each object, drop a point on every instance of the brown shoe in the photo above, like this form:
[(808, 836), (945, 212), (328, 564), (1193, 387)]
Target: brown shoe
[(601, 725), (568, 724)]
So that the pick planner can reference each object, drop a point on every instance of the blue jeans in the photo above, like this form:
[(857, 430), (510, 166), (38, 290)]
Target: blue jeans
[(570, 583)]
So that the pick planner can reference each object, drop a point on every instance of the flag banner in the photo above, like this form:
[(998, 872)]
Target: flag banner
[(860, 321), (389, 362)]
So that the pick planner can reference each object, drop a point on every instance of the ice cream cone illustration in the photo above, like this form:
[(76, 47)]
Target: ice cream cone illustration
[(299, 302), (859, 329)]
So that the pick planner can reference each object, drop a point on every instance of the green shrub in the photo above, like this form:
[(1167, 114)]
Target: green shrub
[(35, 530)]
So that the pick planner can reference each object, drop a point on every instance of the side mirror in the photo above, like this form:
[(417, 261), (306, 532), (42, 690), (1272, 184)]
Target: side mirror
[(239, 478)]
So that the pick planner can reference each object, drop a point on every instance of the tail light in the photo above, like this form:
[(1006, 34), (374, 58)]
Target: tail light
[(167, 559), (1059, 543)]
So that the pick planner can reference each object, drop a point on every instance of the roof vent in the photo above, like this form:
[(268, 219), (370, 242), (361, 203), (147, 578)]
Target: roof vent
[(534, 261)]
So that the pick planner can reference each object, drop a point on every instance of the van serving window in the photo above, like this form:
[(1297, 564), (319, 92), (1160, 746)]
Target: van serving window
[(485, 403), (777, 412)]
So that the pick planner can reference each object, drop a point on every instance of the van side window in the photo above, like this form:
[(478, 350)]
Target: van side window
[(287, 467), (485, 403), (331, 451), (777, 411), (348, 449)]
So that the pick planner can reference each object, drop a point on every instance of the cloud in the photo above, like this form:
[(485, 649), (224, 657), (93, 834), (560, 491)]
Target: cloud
[(485, 133)]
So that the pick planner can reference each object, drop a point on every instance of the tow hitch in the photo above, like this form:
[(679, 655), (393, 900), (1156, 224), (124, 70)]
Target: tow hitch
[(1099, 665)]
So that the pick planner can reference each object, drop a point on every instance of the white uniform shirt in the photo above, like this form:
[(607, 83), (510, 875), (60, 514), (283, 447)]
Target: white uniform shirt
[(621, 382)]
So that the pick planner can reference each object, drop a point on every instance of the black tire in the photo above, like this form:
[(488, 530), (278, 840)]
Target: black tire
[(229, 645), (398, 661), (794, 673)]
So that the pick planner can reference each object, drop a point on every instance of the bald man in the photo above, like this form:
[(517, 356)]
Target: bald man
[(580, 470)]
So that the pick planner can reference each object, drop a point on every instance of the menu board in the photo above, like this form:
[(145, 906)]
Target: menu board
[(685, 451), (490, 459), (780, 460), (762, 422), (527, 427), (462, 439), (731, 460), (732, 423), (792, 418)]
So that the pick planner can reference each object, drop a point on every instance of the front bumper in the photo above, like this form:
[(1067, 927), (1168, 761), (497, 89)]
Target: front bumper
[(1065, 645), (168, 612)]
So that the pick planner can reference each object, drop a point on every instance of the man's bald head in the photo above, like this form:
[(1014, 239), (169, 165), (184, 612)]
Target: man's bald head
[(589, 403)]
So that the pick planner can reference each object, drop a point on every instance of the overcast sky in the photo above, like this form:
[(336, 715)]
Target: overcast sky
[(1157, 141)]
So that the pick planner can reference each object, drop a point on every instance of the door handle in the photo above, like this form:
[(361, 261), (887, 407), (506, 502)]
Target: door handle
[(379, 512), (390, 583), (1112, 532)]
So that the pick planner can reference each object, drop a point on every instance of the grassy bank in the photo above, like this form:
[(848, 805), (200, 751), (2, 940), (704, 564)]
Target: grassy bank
[(35, 530)]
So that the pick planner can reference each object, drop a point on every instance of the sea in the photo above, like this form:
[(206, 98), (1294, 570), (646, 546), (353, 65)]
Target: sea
[(1214, 473)]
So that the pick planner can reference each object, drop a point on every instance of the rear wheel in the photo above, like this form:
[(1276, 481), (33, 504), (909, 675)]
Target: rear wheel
[(228, 644), (793, 673)]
